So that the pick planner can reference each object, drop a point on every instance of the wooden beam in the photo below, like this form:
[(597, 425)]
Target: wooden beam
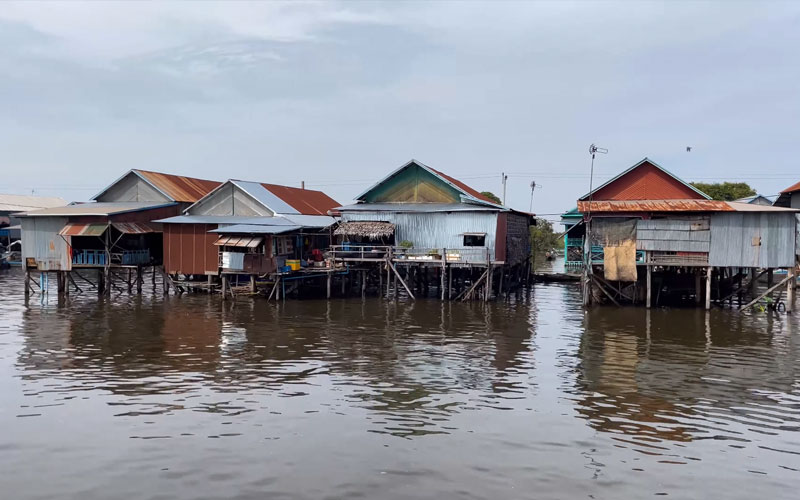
[(467, 293), (769, 291), (397, 276), (603, 289)]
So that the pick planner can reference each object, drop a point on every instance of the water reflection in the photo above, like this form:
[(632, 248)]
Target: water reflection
[(654, 376)]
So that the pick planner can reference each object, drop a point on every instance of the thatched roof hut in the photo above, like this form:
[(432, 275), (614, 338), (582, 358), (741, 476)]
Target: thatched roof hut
[(365, 229)]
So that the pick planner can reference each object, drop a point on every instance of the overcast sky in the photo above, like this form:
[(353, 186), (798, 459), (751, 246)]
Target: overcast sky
[(339, 94)]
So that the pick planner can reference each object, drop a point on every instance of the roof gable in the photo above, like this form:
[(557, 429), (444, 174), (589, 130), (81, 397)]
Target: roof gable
[(645, 181), (235, 197), (415, 182), (144, 185)]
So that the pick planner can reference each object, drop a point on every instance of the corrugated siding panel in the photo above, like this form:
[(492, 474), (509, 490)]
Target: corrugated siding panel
[(41, 241), (673, 235), (189, 249), (435, 230), (733, 236)]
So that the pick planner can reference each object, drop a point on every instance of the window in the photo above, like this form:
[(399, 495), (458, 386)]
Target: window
[(474, 239)]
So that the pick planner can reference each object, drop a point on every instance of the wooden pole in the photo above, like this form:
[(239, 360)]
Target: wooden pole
[(649, 286), (397, 277), (139, 279), (790, 290), (363, 283), (770, 280), (753, 282), (253, 288), (130, 282), (27, 282), (330, 277), (698, 287), (443, 277), (224, 287), (709, 271), (769, 291), (165, 282), (449, 283)]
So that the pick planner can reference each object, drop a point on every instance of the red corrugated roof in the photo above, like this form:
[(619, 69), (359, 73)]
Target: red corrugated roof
[(792, 188), (305, 201), (462, 186), (137, 227), (645, 181), (654, 206), (179, 188)]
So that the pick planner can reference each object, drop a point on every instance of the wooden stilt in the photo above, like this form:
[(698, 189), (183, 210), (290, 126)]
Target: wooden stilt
[(398, 278), (253, 288), (709, 272), (139, 279), (790, 290), (27, 282), (363, 283), (769, 291), (165, 282), (330, 278), (130, 282), (225, 287), (698, 287), (649, 286)]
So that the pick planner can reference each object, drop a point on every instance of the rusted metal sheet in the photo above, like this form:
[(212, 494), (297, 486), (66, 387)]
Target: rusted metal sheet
[(744, 239), (189, 249), (305, 201), (645, 180), (83, 229), (628, 206), (239, 241), (687, 234), (42, 243), (178, 187), (136, 227), (472, 192)]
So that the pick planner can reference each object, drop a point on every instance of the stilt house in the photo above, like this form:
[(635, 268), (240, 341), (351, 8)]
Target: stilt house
[(422, 212), (244, 227), (114, 229), (650, 237)]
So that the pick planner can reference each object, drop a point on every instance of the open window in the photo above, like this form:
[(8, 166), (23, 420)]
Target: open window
[(474, 239)]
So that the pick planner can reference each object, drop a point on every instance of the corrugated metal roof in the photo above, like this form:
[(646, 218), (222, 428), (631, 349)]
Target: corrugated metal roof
[(77, 229), (22, 203), (226, 219), (177, 187), (262, 195), (792, 188), (239, 241), (754, 207), (310, 220), (655, 206), (137, 227), (650, 188), (304, 201), (418, 207), (460, 186), (95, 208), (254, 229)]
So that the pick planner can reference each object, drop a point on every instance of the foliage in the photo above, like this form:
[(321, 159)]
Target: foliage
[(492, 197), (725, 191), (543, 238), (405, 244)]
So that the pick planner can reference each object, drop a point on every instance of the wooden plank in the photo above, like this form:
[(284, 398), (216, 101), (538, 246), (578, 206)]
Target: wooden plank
[(397, 276), (769, 291)]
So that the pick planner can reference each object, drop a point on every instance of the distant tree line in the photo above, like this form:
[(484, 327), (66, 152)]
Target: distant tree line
[(725, 191)]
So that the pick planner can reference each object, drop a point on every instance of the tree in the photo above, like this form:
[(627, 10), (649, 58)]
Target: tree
[(492, 197), (725, 191), (544, 239)]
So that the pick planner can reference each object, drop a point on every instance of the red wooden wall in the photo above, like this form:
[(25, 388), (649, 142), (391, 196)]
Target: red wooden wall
[(190, 249)]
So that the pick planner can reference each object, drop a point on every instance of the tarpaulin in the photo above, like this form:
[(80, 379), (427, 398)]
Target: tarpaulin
[(619, 261)]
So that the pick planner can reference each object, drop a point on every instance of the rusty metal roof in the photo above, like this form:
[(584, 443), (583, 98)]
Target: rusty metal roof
[(239, 241), (472, 192), (95, 208), (655, 206), (305, 201), (792, 188), (77, 229), (646, 180), (137, 227), (177, 187)]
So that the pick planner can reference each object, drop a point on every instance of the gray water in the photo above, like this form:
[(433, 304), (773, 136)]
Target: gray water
[(189, 397)]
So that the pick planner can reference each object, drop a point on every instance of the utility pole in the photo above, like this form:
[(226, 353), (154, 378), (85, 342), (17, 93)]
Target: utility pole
[(533, 186), (504, 178)]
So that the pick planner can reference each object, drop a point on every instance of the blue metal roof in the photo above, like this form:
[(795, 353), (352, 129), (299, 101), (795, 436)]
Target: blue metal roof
[(255, 229), (265, 197)]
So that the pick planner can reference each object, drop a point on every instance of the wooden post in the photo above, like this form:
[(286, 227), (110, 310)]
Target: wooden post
[(253, 288), (139, 279), (449, 283), (330, 278), (380, 280), (130, 282), (153, 279), (66, 282), (344, 282), (709, 271), (770, 280), (224, 287), (27, 282), (165, 282), (649, 286), (790, 290), (753, 281), (698, 287), (363, 283)]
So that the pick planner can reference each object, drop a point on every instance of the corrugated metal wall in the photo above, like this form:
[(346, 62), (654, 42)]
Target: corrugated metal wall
[(740, 239), (674, 235), (435, 229), (190, 249), (41, 241), (132, 188)]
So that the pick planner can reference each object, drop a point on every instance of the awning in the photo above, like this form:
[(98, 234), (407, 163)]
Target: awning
[(83, 229), (135, 227), (366, 229), (239, 241)]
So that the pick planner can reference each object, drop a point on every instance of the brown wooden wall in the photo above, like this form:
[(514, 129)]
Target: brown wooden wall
[(190, 249)]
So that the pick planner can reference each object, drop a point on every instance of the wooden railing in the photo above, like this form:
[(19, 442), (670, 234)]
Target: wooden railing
[(464, 255)]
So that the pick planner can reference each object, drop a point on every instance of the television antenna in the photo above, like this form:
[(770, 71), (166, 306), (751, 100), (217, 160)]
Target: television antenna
[(533, 186)]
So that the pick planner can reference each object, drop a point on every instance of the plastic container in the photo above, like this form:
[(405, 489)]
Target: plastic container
[(293, 264)]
